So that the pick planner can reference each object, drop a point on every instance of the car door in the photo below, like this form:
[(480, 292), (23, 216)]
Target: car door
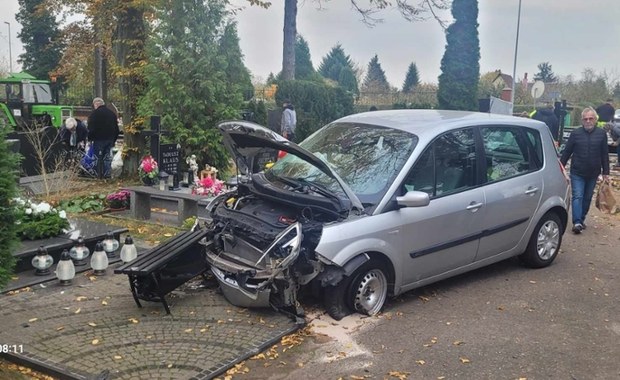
[(443, 235), (513, 188)]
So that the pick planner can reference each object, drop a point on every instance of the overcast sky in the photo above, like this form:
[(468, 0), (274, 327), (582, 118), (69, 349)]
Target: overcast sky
[(569, 34)]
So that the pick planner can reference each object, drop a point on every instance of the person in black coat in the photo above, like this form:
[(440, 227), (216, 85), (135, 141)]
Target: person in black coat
[(547, 116), (102, 131), (588, 148)]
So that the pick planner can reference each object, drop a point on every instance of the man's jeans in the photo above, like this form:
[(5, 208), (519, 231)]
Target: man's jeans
[(582, 192), (102, 150)]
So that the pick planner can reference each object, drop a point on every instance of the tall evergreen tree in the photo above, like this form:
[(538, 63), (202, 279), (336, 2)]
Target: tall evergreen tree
[(231, 62), (460, 65), (187, 80), (412, 79), (8, 190), (303, 60), (545, 73), (41, 38), (375, 80), (337, 66)]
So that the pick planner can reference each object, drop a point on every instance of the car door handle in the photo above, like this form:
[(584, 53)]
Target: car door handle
[(473, 206), (531, 190)]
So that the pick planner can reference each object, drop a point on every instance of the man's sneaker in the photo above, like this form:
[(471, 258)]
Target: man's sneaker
[(577, 228)]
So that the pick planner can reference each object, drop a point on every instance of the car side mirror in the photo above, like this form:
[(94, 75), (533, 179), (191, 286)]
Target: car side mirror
[(413, 199)]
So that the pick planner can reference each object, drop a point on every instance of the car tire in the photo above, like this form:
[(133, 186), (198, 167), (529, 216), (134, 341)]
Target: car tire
[(544, 243), (334, 300), (368, 289)]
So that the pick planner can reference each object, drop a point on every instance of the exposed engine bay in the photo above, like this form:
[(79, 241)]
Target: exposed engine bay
[(262, 248)]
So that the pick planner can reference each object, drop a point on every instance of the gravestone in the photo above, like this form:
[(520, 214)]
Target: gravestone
[(169, 161)]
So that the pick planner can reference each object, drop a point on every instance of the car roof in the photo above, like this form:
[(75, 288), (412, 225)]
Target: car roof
[(422, 122)]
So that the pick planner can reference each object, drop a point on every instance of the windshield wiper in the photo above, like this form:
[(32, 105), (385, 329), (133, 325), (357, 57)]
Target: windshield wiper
[(316, 188)]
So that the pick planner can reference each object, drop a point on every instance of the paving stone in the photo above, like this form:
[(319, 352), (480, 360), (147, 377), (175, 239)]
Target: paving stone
[(61, 338)]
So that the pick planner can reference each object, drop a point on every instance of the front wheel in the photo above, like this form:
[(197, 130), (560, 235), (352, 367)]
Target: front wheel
[(364, 292), (544, 243)]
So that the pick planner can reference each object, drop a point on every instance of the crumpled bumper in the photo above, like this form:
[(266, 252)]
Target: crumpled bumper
[(247, 283)]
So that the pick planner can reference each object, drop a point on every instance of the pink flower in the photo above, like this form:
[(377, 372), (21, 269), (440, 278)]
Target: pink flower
[(206, 182)]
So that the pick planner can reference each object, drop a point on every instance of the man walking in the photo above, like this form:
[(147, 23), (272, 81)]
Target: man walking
[(103, 132), (588, 148)]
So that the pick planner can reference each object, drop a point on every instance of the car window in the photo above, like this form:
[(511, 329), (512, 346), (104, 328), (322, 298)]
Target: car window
[(507, 152), (447, 166), (536, 145)]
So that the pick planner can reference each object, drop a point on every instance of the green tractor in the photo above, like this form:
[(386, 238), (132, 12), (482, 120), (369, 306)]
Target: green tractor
[(29, 102)]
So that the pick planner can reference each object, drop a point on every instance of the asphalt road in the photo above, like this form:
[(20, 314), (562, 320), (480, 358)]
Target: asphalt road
[(501, 322)]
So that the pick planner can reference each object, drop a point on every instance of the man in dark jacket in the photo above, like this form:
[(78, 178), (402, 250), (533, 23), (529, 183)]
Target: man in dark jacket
[(588, 148), (103, 132), (547, 116)]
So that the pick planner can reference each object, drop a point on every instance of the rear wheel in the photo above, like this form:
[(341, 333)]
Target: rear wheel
[(544, 243)]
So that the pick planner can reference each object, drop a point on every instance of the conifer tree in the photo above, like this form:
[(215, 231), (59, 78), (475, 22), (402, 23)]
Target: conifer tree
[(238, 76), (187, 77), (303, 60), (412, 78), (460, 65), (337, 66), (41, 38), (375, 80), (8, 190)]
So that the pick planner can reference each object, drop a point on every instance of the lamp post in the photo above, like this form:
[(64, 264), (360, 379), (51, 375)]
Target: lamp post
[(514, 67), (10, 52)]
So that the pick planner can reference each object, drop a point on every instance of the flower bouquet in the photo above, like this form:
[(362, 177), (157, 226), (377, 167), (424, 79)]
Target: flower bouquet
[(39, 220), (148, 170), (208, 186), (118, 200)]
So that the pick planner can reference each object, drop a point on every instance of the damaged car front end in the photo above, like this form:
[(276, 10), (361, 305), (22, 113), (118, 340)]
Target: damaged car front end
[(261, 248)]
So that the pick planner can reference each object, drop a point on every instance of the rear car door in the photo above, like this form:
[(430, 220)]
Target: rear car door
[(443, 235), (514, 186)]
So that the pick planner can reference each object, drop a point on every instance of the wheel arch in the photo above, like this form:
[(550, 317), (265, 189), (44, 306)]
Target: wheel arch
[(383, 260)]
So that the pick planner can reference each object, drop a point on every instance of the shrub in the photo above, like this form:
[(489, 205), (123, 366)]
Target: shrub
[(8, 217), (38, 220), (316, 104), (92, 202)]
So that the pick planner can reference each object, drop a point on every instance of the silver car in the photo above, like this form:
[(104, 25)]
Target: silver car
[(375, 204)]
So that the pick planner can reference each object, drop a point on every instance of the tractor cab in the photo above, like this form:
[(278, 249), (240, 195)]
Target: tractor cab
[(30, 102)]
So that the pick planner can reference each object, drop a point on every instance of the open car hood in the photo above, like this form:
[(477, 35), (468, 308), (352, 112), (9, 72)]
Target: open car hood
[(245, 140)]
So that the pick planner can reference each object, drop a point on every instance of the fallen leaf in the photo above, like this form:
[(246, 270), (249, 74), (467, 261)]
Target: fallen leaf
[(95, 342), (33, 319), (464, 360), (78, 311), (104, 303), (532, 282), (92, 324), (424, 299), (189, 330), (81, 298), (117, 357), (457, 342), (169, 365), (92, 278), (133, 320), (356, 377), (60, 328), (420, 362), (203, 330), (398, 374)]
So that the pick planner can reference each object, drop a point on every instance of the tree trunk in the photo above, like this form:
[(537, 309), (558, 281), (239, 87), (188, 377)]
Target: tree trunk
[(290, 34), (129, 45)]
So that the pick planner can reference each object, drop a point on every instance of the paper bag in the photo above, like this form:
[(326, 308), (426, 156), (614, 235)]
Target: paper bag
[(605, 200)]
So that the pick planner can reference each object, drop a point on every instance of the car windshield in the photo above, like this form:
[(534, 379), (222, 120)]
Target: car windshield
[(366, 157)]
